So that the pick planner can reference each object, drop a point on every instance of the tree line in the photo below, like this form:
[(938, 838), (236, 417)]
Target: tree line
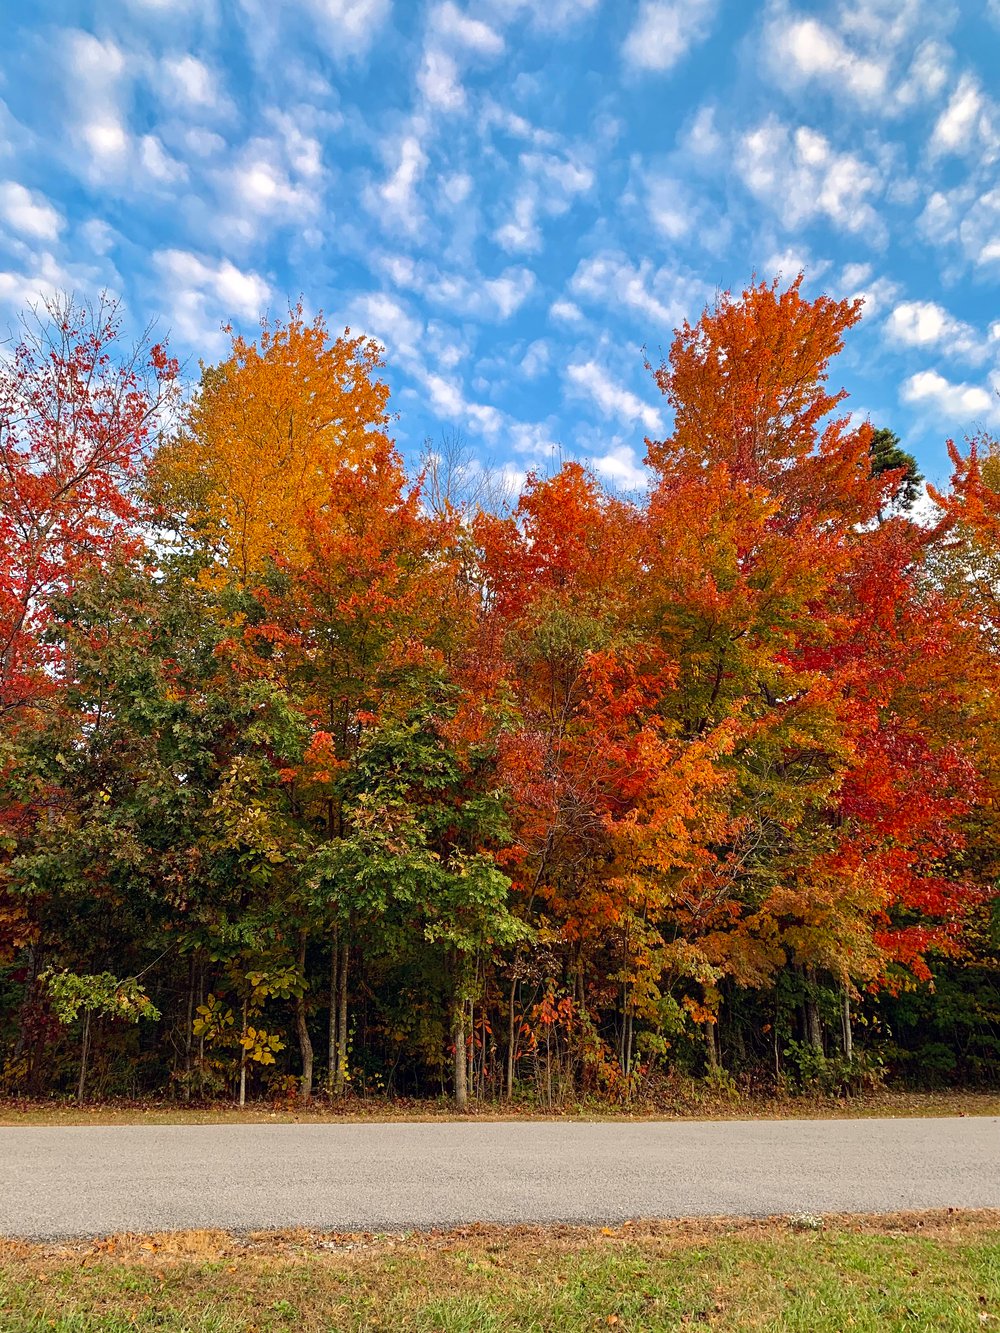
[(323, 773)]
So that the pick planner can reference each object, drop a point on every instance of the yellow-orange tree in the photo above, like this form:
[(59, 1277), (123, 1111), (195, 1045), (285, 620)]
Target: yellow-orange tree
[(268, 429)]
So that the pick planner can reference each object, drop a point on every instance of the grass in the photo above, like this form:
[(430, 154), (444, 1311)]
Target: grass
[(692, 1101), (937, 1272)]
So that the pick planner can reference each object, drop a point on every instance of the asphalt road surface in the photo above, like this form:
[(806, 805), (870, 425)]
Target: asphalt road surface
[(95, 1180)]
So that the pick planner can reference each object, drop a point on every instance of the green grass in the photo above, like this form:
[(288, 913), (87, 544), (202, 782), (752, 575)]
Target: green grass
[(932, 1273)]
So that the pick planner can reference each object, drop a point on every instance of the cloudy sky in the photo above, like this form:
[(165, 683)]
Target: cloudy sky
[(518, 196)]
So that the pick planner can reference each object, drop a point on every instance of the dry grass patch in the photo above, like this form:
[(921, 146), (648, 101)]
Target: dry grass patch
[(691, 1101), (935, 1271)]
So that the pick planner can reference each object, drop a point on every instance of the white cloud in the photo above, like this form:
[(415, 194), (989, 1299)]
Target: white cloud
[(275, 178), (536, 359), (350, 27), (669, 206), (202, 294), (550, 185), (29, 212), (188, 82), (926, 324), (439, 83), (800, 175), (384, 317), (98, 236), (534, 438), (448, 399), (168, 8), (927, 76), (884, 55), (805, 50), (546, 15), (661, 295), (876, 293), (965, 220), (41, 277), (955, 402), (566, 312), (398, 192), (96, 74), (108, 142), (203, 143), (157, 163), (460, 293), (589, 379), (458, 187), (788, 263), (521, 234), (448, 21), (496, 116), (701, 138), (969, 123), (564, 177), (99, 80), (509, 291), (622, 467), (894, 23), (665, 30)]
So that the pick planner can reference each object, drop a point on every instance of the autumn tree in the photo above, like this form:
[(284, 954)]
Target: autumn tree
[(78, 406), (764, 545), (267, 429)]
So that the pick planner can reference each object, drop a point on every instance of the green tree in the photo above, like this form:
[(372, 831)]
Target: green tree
[(888, 455)]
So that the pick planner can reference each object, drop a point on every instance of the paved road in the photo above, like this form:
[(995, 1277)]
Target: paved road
[(94, 1180)]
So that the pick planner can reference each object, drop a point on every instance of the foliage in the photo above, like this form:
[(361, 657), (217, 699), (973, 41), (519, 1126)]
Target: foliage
[(104, 994), (565, 799)]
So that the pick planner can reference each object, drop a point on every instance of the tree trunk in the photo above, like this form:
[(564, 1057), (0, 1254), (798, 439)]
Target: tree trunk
[(201, 1039), (340, 1077), (188, 1033), (243, 1058), (814, 1027), (461, 1065), (711, 1048), (84, 1052), (305, 1042), (511, 1037), (845, 1019), (332, 1029)]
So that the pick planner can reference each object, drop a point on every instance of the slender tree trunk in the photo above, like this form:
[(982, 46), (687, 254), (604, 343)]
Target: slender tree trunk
[(84, 1052), (845, 1019), (711, 1047), (814, 1027), (243, 1058), (302, 1026), (332, 1031), (340, 1078), (188, 1032), (774, 1044), (201, 1039), (511, 1036), (461, 1059)]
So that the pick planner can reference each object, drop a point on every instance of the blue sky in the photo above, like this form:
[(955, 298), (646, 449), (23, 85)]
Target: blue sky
[(517, 196)]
